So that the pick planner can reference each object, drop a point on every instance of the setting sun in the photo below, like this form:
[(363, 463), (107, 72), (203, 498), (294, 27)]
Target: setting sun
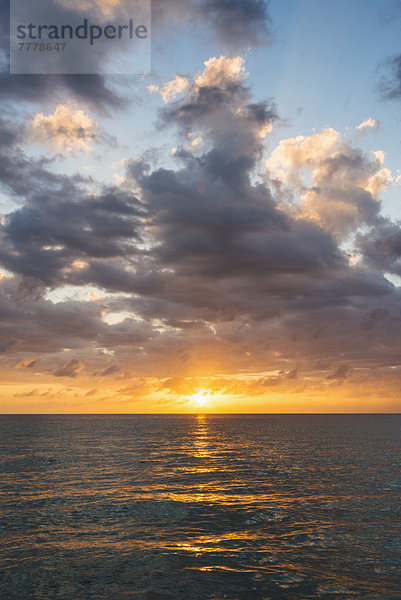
[(200, 398)]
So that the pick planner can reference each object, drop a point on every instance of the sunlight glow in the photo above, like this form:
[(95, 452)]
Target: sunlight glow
[(200, 398)]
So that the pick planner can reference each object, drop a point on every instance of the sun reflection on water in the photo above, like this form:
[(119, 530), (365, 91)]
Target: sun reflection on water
[(201, 440), (251, 503)]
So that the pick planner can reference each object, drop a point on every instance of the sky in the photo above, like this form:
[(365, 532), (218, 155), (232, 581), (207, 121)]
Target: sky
[(221, 234)]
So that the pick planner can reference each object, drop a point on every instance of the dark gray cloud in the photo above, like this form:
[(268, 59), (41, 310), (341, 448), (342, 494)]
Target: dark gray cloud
[(390, 85), (70, 369), (95, 90), (340, 373), (381, 247), (90, 89), (48, 330), (60, 221), (210, 221), (237, 24), (9, 134), (44, 237)]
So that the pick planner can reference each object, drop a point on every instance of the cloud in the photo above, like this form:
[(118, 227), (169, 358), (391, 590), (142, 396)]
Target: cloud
[(171, 89), (70, 369), (340, 373), (236, 24), (218, 107), (390, 85), (295, 153), (367, 124), (112, 370), (103, 7), (9, 345), (35, 393), (10, 134), (381, 247), (93, 89), (222, 72), (343, 193), (61, 225), (68, 129), (91, 393), (27, 363), (239, 23)]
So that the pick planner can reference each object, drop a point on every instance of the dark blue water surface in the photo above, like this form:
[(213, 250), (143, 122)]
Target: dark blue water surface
[(200, 507)]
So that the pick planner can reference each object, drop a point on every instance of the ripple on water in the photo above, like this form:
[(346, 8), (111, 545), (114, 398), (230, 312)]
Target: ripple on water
[(218, 508)]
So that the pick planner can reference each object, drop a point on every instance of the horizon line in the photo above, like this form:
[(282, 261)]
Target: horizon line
[(197, 414)]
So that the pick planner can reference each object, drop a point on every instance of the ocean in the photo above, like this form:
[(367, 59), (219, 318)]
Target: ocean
[(241, 507)]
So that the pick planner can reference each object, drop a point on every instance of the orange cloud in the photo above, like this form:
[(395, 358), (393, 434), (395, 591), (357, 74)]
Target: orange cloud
[(27, 363)]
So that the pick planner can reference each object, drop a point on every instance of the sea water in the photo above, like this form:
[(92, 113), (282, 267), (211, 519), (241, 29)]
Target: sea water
[(244, 507)]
